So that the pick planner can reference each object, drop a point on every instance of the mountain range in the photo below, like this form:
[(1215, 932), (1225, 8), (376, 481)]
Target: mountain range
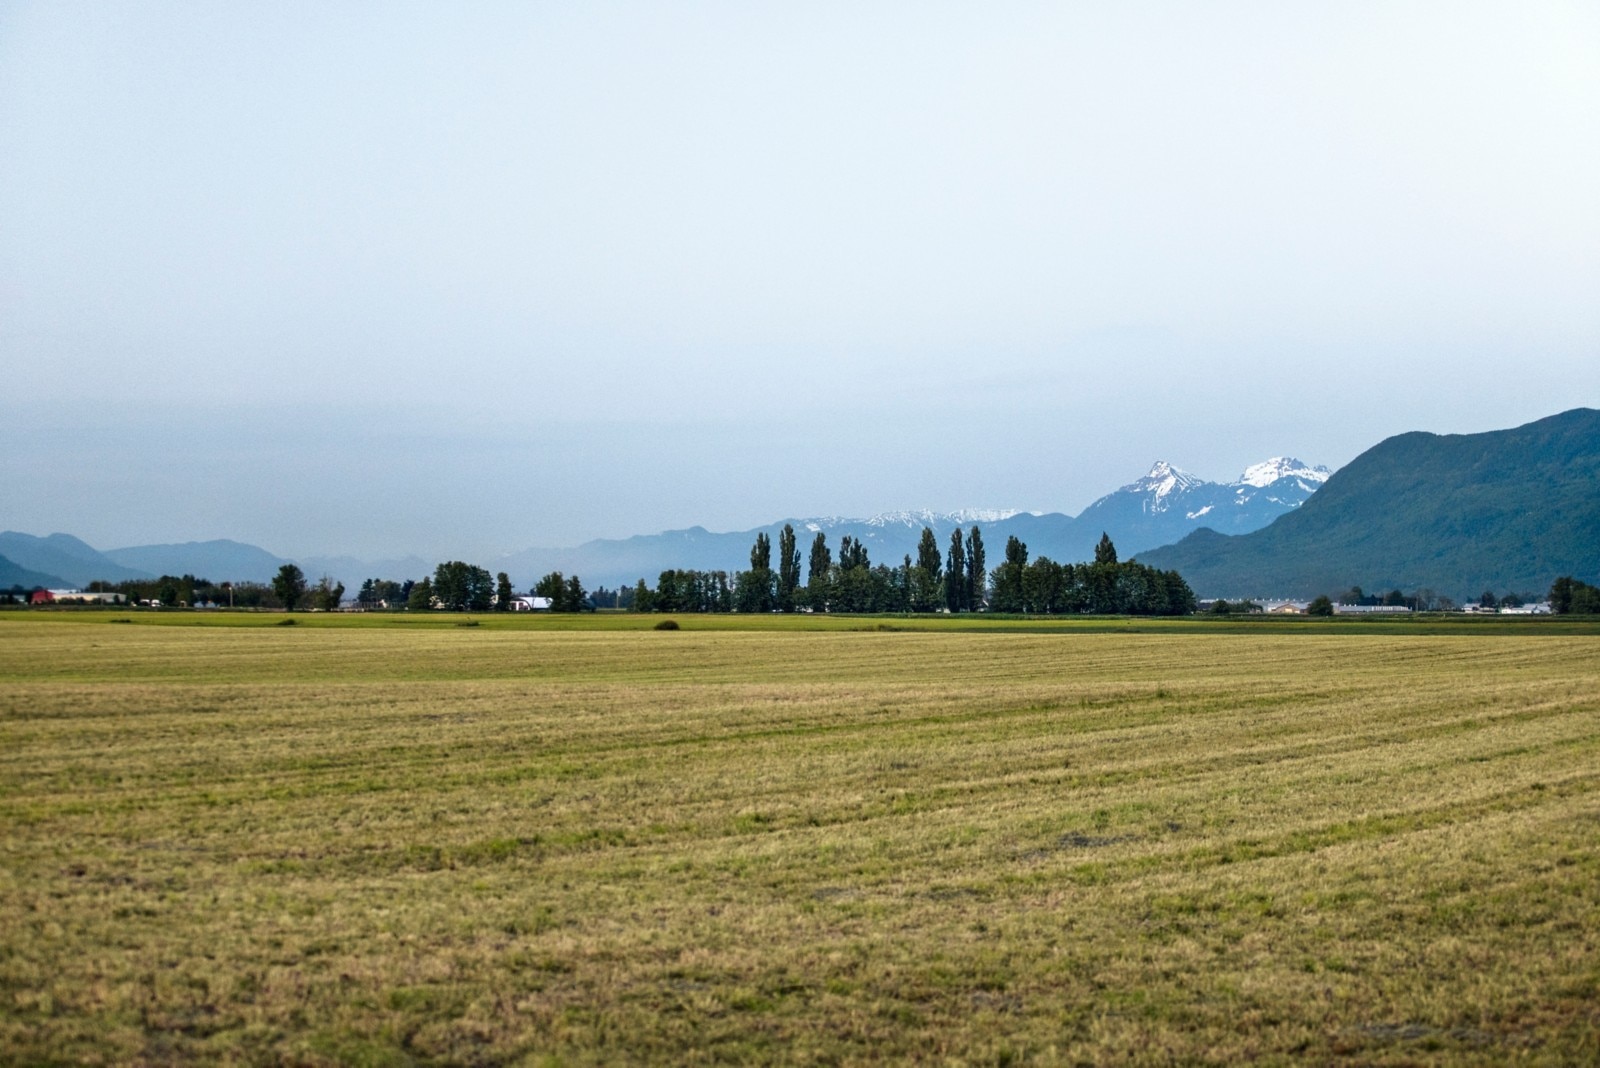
[(1159, 508), (1507, 510), (1154, 510)]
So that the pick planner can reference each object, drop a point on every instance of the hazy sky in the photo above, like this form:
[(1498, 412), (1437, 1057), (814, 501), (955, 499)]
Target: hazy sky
[(467, 278)]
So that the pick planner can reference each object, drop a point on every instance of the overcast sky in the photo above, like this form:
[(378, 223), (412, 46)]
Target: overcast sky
[(462, 279)]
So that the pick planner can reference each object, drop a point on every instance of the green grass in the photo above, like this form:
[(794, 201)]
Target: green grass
[(387, 840)]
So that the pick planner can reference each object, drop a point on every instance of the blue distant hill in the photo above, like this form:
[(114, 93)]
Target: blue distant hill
[(220, 560), (73, 562), (13, 576)]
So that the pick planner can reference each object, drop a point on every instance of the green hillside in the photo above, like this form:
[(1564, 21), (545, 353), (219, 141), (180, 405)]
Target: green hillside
[(1457, 513)]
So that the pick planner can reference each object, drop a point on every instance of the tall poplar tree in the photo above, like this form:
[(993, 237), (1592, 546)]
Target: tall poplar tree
[(922, 581), (819, 573), (955, 575), (977, 576), (821, 558), (753, 589), (788, 568), (928, 553)]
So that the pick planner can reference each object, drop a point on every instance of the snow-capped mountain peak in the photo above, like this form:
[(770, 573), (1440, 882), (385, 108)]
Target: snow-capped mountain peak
[(1163, 479), (1269, 471)]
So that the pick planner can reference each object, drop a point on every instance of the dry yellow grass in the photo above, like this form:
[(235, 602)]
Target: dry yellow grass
[(443, 845)]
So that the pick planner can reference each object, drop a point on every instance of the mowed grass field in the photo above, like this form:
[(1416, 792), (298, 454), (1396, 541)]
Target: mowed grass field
[(369, 844)]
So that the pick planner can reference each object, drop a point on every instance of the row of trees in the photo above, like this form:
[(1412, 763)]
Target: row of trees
[(850, 583), (1103, 587), (458, 586), (957, 582), (564, 594), (953, 582), (1426, 600), (288, 589)]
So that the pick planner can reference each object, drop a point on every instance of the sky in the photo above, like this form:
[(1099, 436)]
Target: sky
[(462, 279)]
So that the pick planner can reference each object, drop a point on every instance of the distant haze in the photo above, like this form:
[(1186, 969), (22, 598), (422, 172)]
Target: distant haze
[(463, 279)]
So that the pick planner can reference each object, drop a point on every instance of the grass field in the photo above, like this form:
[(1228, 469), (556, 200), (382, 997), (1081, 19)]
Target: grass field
[(805, 841)]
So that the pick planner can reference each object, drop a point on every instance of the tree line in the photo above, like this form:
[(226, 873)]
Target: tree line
[(462, 587), (848, 583), (172, 591), (955, 581), (1104, 586)]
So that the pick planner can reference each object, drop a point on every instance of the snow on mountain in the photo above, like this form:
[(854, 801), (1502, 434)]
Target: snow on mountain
[(1168, 503), (925, 517), (1267, 472), (1158, 509), (1163, 481)]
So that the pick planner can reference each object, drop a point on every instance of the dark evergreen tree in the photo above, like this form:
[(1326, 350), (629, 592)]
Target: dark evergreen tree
[(820, 567), (1100, 584), (1105, 552), (288, 585), (1042, 587), (564, 594), (928, 553), (1180, 598), (955, 575), (852, 554), (788, 568), (643, 598), (553, 588), (1568, 596), (921, 580), (977, 577), (1007, 593), (754, 590), (666, 595), (1560, 595), (502, 592), (1585, 600)]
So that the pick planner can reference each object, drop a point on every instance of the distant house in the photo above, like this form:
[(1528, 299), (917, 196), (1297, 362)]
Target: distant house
[(1541, 608), (530, 604), (1288, 608), (75, 597), (1371, 610), (98, 597)]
